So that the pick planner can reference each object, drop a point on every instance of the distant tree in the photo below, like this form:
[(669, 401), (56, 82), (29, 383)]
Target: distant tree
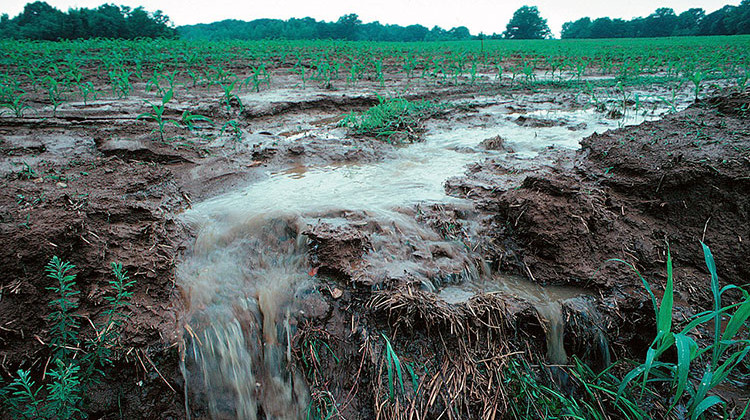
[(415, 33), (716, 23), (729, 20), (689, 21), (660, 23), (459, 33), (41, 21), (527, 23), (577, 29), (346, 27)]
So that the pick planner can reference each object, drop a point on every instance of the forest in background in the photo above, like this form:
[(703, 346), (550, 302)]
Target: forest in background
[(729, 20), (40, 21)]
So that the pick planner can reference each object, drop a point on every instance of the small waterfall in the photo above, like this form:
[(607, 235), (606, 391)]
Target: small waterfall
[(242, 277), (551, 315)]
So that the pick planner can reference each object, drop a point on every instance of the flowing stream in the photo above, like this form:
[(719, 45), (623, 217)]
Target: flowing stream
[(248, 268)]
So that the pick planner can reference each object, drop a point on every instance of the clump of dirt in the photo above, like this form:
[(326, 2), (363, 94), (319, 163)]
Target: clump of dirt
[(496, 143), (338, 249), (530, 121)]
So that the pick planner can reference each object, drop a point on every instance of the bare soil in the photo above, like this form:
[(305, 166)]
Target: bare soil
[(93, 186)]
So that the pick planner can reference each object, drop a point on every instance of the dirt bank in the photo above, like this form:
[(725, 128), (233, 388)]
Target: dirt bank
[(92, 185), (625, 194)]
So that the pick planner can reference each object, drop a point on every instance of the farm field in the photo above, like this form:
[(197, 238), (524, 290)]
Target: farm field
[(321, 230)]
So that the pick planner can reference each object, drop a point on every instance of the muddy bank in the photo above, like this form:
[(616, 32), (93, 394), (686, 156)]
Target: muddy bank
[(92, 185), (627, 194)]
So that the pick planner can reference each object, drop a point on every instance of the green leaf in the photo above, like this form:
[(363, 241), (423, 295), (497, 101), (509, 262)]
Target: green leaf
[(737, 321), (705, 405), (684, 346), (715, 290), (628, 378), (664, 318), (728, 366), (167, 97)]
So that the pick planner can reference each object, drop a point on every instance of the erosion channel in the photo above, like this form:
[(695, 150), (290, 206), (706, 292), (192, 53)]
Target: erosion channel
[(264, 253)]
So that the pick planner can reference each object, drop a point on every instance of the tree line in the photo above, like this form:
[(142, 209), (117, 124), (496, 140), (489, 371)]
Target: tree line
[(347, 27), (729, 20), (41, 21)]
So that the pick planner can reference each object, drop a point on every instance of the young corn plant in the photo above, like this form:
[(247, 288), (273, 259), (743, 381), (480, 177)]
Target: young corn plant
[(229, 95), (14, 100), (157, 115), (188, 120), (86, 90), (710, 363), (53, 93), (233, 128), (696, 77), (259, 77), (120, 81)]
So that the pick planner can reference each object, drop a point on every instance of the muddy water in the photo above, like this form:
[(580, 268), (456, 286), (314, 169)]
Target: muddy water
[(547, 301), (248, 270)]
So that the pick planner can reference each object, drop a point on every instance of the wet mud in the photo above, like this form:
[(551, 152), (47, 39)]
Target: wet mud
[(489, 238)]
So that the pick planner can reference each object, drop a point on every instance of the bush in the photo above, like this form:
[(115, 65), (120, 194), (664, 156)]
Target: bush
[(76, 362)]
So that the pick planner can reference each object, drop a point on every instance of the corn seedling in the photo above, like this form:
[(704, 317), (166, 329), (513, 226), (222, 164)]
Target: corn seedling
[(27, 172), (259, 77), (15, 102), (157, 114), (696, 77), (233, 128), (53, 93), (120, 81), (711, 363), (229, 96), (189, 119)]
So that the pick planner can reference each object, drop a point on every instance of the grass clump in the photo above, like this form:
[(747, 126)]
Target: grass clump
[(76, 361), (394, 120)]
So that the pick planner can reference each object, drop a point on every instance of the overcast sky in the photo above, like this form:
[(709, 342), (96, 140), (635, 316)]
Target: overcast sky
[(486, 16)]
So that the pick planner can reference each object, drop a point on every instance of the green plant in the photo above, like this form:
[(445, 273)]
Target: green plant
[(259, 77), (696, 77), (394, 368), (189, 119), (53, 93), (120, 81), (86, 90), (229, 95), (233, 127), (391, 117), (712, 363), (76, 361), (157, 114), (14, 101), (533, 394), (27, 172)]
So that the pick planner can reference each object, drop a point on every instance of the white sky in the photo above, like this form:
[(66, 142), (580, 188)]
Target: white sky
[(486, 16)]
